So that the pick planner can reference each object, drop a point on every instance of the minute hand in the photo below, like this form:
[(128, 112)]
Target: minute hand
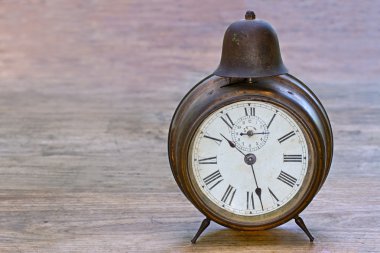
[(258, 189)]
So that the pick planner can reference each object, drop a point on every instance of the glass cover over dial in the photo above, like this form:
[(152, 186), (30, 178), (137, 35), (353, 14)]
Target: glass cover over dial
[(249, 158)]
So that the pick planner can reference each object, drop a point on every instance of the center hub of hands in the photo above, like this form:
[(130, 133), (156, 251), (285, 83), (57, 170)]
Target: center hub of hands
[(249, 133), (250, 159)]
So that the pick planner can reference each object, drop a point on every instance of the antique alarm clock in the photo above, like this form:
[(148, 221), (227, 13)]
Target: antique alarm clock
[(250, 145)]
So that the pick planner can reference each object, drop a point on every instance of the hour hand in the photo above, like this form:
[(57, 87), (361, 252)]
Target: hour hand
[(232, 145)]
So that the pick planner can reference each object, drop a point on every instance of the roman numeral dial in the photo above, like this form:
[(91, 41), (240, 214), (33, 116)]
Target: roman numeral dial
[(248, 158)]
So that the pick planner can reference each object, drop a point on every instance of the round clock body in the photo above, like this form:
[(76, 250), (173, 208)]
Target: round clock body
[(250, 154)]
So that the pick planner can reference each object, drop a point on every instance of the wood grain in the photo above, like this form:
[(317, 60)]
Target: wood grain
[(87, 91)]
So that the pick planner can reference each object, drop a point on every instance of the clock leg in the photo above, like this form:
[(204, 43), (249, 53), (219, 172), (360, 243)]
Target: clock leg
[(302, 225), (202, 228)]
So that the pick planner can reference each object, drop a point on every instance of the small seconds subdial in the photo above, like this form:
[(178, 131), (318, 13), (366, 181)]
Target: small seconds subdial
[(250, 133)]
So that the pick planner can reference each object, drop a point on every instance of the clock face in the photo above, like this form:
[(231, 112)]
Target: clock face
[(249, 158)]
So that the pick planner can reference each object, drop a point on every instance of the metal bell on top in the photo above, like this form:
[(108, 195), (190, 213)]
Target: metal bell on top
[(250, 50)]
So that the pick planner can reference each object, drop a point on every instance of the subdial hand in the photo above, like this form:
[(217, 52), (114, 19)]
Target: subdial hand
[(258, 189), (251, 133), (232, 145)]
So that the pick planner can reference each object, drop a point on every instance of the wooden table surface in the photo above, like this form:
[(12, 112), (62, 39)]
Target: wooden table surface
[(87, 92)]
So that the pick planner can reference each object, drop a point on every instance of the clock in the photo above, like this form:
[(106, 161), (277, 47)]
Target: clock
[(250, 145)]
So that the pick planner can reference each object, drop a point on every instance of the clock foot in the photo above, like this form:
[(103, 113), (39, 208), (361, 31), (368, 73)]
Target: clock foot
[(302, 225), (202, 228)]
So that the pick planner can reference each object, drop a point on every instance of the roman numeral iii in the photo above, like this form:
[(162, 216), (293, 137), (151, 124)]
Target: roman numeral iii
[(287, 179), (292, 158)]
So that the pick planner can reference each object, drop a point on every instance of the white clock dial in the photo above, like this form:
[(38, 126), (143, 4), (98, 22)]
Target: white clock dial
[(249, 157)]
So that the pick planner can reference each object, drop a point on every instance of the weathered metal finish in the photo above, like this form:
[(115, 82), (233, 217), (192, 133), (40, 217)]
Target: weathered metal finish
[(302, 225), (205, 223), (251, 69), (250, 49), (284, 91)]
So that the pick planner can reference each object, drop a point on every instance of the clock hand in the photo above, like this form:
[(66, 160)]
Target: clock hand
[(232, 145), (258, 192), (258, 189), (250, 133)]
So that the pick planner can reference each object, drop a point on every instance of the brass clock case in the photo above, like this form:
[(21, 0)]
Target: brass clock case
[(283, 91)]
